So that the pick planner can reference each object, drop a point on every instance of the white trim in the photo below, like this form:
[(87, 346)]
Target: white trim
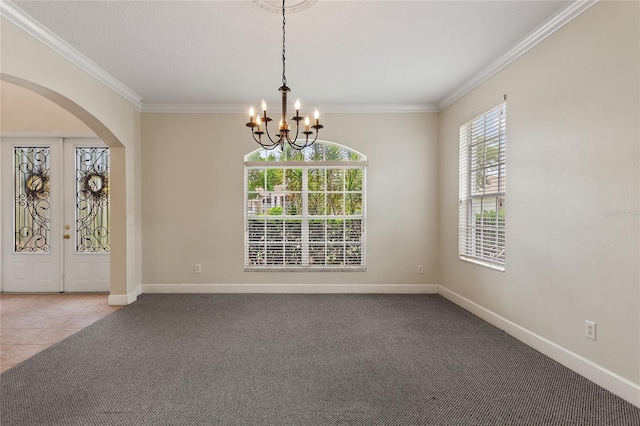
[(550, 26), (362, 162), (195, 109), (607, 379), (34, 28), (307, 164), (378, 108), (495, 103), (481, 262), (122, 299), (292, 288), (27, 23), (48, 135), (305, 268), (325, 108)]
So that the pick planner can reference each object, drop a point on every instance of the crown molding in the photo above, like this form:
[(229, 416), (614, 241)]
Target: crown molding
[(194, 108), (14, 14), (243, 109), (550, 26), (20, 18), (37, 135), (378, 108)]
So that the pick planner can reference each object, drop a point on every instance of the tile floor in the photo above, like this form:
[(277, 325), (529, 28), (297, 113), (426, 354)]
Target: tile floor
[(30, 323)]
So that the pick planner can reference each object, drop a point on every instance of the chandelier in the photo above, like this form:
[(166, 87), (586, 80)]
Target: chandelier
[(259, 125)]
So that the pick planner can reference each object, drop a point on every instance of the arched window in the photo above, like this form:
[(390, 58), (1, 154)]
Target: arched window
[(305, 210)]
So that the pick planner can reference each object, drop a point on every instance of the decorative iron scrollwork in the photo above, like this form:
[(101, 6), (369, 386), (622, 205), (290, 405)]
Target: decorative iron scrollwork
[(92, 200), (32, 203)]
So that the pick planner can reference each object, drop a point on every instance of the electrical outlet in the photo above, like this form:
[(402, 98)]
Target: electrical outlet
[(590, 330), (420, 269), (197, 268)]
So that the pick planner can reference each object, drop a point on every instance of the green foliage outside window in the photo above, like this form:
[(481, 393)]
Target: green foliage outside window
[(330, 230), (490, 215), (487, 160)]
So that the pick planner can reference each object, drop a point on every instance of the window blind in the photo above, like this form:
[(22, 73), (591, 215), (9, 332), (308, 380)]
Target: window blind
[(482, 188), (305, 215)]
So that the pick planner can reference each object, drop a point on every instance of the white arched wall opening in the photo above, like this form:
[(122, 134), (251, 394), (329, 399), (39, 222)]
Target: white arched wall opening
[(29, 63), (117, 181)]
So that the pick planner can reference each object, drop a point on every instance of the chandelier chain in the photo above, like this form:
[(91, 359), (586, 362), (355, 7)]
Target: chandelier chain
[(284, 67)]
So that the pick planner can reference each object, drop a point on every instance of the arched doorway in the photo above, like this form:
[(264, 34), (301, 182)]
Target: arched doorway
[(118, 267)]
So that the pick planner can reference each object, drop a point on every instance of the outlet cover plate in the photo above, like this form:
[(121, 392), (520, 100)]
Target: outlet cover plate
[(590, 330)]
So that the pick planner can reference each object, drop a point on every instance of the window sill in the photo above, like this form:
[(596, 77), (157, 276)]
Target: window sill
[(304, 269), (485, 263)]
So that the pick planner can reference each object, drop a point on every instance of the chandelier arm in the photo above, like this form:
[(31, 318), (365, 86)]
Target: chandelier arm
[(258, 140), (296, 137), (276, 142), (306, 141), (315, 138), (270, 147), (297, 146)]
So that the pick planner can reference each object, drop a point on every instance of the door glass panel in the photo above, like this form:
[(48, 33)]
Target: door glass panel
[(32, 200), (92, 200)]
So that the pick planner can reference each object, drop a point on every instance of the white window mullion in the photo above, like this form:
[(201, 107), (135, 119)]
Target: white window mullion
[(285, 240), (305, 216)]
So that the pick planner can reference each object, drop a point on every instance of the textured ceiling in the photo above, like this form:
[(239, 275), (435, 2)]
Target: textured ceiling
[(405, 53)]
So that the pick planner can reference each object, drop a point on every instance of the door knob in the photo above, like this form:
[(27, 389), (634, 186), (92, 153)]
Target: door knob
[(67, 236)]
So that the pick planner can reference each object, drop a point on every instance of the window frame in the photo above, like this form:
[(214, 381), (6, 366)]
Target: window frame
[(482, 231), (305, 217)]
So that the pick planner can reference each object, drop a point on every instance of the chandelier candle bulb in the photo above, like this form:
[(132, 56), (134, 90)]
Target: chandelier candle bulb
[(316, 115), (306, 123), (264, 106), (252, 114)]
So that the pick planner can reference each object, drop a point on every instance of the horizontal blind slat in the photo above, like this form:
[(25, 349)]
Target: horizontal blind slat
[(294, 237), (482, 183)]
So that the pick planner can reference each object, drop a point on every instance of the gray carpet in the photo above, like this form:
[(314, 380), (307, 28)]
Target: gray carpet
[(299, 360)]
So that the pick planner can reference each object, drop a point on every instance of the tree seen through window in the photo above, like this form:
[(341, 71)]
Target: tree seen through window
[(305, 209)]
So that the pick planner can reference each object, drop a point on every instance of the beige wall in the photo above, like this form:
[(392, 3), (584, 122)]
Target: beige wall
[(22, 110), (572, 157), (193, 201)]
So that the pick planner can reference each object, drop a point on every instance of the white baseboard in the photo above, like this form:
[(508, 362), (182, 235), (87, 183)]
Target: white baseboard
[(292, 288), (123, 299), (601, 376)]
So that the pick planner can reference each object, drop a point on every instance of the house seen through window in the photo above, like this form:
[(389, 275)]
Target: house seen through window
[(305, 210)]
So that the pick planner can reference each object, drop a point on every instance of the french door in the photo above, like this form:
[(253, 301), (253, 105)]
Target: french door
[(55, 215)]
